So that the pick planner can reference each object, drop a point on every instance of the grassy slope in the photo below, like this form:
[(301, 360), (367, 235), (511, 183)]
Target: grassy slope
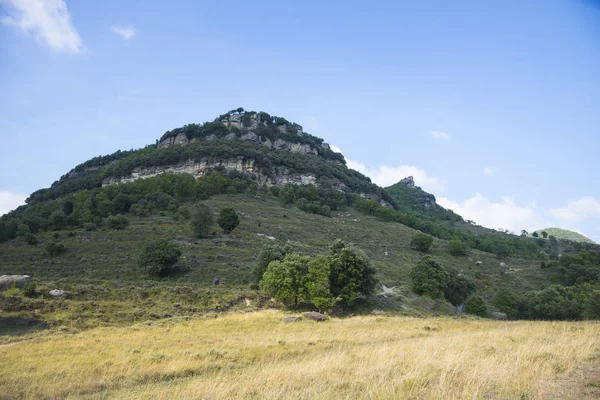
[(255, 355), (106, 286), (565, 234)]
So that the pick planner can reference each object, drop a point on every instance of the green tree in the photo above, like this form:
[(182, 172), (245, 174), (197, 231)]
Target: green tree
[(535, 234), (421, 242), (552, 303), (270, 252), (591, 308), (476, 306), (118, 222), (458, 289), (544, 234), (53, 248), (159, 257), (285, 280), (317, 283), (202, 221), (228, 220), (508, 302), (457, 247), (351, 274), (429, 278)]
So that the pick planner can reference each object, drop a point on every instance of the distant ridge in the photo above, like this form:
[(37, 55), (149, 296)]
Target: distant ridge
[(564, 234)]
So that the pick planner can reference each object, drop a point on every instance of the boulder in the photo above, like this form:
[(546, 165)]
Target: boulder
[(56, 292), (290, 318), (378, 312), (7, 281), (503, 264), (315, 316), (408, 181), (479, 262), (217, 281), (499, 315)]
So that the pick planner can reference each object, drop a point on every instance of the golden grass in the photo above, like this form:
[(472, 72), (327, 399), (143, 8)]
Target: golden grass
[(255, 355)]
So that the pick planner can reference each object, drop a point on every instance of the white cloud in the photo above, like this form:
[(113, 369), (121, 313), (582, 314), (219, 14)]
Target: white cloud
[(48, 20), (489, 171), (440, 135), (126, 32), (9, 201), (577, 211), (506, 214), (384, 175)]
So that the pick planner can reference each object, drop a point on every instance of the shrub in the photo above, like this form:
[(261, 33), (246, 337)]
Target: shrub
[(90, 226), (351, 274), (421, 242), (429, 278), (269, 253), (29, 290), (159, 257), (117, 222), (458, 289), (457, 247), (202, 221), (508, 303), (31, 239), (476, 306), (228, 220), (53, 248)]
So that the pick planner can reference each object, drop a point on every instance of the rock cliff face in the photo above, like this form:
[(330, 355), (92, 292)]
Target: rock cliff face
[(240, 164)]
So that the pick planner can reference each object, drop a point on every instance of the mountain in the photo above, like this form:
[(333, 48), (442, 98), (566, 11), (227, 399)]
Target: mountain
[(83, 235), (564, 234)]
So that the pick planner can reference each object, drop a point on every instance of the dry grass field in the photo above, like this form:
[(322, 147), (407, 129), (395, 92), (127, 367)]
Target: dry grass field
[(256, 355)]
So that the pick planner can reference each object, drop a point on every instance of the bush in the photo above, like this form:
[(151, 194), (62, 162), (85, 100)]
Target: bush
[(117, 222), (269, 253), (90, 226), (429, 278), (228, 220), (421, 242), (31, 239), (459, 289), (476, 306), (457, 248), (202, 221), (351, 274), (29, 290), (53, 248), (508, 303), (159, 257)]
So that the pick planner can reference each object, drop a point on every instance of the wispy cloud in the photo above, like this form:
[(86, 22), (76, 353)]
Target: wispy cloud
[(9, 201), (126, 32), (576, 211), (48, 20), (385, 175), (489, 171), (441, 135)]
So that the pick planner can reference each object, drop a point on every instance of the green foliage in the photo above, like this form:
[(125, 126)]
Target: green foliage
[(29, 290), (457, 247), (351, 274), (269, 253), (509, 303), (421, 242), (159, 257), (31, 239), (553, 303), (53, 248), (90, 226), (458, 288), (476, 305), (592, 306), (317, 283), (202, 221), (228, 220), (429, 278), (544, 234), (117, 222), (535, 235), (286, 280)]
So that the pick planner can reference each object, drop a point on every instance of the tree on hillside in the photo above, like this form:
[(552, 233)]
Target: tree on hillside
[(228, 220), (429, 278), (202, 221), (159, 257), (269, 253), (476, 306), (535, 234), (285, 280), (421, 242), (351, 274), (457, 247), (524, 233), (458, 288), (544, 234)]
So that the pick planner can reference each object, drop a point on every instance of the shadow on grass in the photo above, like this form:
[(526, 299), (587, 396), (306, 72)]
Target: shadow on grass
[(19, 326)]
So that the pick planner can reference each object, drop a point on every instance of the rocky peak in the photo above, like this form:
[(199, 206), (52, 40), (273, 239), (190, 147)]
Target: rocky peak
[(408, 181)]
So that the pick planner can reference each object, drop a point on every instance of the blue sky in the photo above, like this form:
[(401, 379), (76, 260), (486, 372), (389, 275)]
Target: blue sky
[(493, 106)]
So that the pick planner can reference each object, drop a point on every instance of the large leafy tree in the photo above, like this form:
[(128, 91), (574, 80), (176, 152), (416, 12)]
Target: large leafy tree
[(285, 280), (202, 221), (228, 220), (458, 288), (269, 253), (350, 273), (421, 242), (429, 278)]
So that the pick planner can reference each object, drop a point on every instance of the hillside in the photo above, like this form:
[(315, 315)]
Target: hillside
[(84, 234), (564, 234)]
